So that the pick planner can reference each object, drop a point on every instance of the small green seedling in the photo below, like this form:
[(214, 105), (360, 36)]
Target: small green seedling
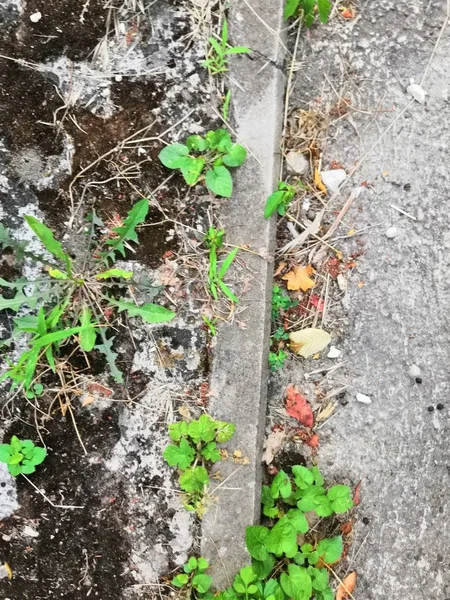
[(226, 105), (217, 58), (21, 456), (306, 9), (214, 241), (280, 301), (206, 159), (277, 360), (194, 577), (211, 324), (280, 200), (196, 446), (73, 301)]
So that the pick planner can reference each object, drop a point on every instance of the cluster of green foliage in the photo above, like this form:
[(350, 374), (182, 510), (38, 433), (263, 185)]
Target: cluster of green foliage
[(281, 568), (307, 10), (280, 200), (280, 301), (21, 456), (196, 447), (206, 158), (72, 299), (217, 58), (195, 578), (277, 355), (214, 241)]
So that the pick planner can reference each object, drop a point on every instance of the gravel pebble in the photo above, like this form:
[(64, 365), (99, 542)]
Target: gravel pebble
[(391, 232)]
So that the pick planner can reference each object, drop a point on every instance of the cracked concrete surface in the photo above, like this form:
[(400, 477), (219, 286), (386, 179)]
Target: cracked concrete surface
[(399, 444)]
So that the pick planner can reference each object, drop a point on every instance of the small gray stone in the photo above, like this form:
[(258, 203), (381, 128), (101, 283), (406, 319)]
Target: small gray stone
[(391, 232), (332, 179), (297, 163), (414, 371)]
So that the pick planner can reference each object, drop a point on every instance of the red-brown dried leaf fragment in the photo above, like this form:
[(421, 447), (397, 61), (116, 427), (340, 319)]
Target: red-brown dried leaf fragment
[(357, 495), (297, 407)]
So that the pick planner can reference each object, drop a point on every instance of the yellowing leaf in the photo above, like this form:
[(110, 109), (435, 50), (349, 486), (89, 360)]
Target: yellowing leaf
[(308, 342), (346, 587), (88, 400), (318, 181), (298, 278), (8, 570)]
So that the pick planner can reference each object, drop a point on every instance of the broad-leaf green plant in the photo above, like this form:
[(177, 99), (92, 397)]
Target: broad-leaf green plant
[(307, 9), (21, 456)]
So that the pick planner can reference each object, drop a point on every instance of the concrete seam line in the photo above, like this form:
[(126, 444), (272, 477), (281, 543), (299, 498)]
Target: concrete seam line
[(240, 364)]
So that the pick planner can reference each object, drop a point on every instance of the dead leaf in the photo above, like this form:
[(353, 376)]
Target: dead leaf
[(297, 406), (346, 528), (298, 278), (317, 302), (223, 453), (326, 412), (273, 445), (8, 570), (314, 441), (357, 495), (280, 269), (346, 587), (185, 412), (348, 13), (88, 400), (318, 181), (309, 341)]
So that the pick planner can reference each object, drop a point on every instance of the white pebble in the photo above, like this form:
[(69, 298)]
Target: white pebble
[(35, 17), (414, 371), (30, 532), (332, 179), (118, 77), (417, 92), (363, 398), (334, 352), (391, 232), (297, 163)]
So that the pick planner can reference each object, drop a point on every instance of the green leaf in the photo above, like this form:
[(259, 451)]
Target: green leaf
[(330, 549), (298, 520), (238, 50), (227, 262), (255, 538), (202, 430), (211, 452), (226, 105), (282, 539), (46, 237), (56, 336), (263, 568), (196, 142), (88, 334), (194, 479), (179, 456), (27, 468), (219, 181), (191, 565), (57, 274), (14, 469), (150, 313), (311, 498), (272, 588), (173, 156), (15, 459), (38, 456), (340, 498), (17, 302), (192, 169), (318, 479), (106, 348), (5, 453), (135, 217), (202, 563), (296, 583), (281, 485), (180, 580), (235, 156), (302, 476), (225, 431), (327, 594), (178, 430), (114, 273), (291, 8), (319, 578), (272, 203), (324, 9), (201, 582), (228, 293)]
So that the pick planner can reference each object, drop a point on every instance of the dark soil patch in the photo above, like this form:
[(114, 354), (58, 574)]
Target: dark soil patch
[(77, 550)]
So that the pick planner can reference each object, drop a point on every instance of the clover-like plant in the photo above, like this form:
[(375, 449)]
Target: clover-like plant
[(21, 456)]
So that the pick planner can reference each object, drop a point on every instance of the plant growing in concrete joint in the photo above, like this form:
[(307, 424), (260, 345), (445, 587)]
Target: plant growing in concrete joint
[(214, 241), (21, 456), (280, 301), (195, 447), (73, 301), (307, 10), (280, 200), (277, 359), (206, 159), (217, 58), (194, 579)]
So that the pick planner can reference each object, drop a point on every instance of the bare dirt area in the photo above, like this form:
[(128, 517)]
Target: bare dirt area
[(90, 92)]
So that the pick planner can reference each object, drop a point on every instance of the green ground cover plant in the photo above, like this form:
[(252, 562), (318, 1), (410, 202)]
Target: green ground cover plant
[(307, 9), (21, 456), (214, 241), (217, 58)]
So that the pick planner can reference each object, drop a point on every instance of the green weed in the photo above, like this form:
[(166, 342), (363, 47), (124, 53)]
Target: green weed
[(206, 159), (277, 359), (307, 10), (280, 301), (217, 58), (73, 300), (195, 447), (214, 241), (194, 578), (280, 200), (21, 456)]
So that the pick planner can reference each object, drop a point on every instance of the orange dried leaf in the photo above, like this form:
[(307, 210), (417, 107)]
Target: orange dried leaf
[(357, 495), (348, 13), (280, 269), (298, 278), (318, 181), (88, 400), (314, 441), (346, 528), (297, 407), (346, 587)]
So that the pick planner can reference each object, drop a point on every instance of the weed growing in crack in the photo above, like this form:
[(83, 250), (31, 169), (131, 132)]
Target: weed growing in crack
[(21, 456), (214, 241), (217, 58), (194, 577), (206, 159), (289, 558), (73, 300), (306, 9), (280, 200), (195, 447)]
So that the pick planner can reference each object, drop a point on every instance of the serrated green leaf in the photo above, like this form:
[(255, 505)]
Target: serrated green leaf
[(106, 348), (211, 452), (48, 241), (263, 568), (319, 578), (330, 549), (127, 231), (302, 476), (150, 313), (179, 456), (88, 334), (281, 485), (194, 479), (17, 302), (255, 538), (202, 430), (298, 520), (225, 431), (282, 539), (114, 273), (219, 181), (178, 430), (172, 156), (340, 498), (296, 583)]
